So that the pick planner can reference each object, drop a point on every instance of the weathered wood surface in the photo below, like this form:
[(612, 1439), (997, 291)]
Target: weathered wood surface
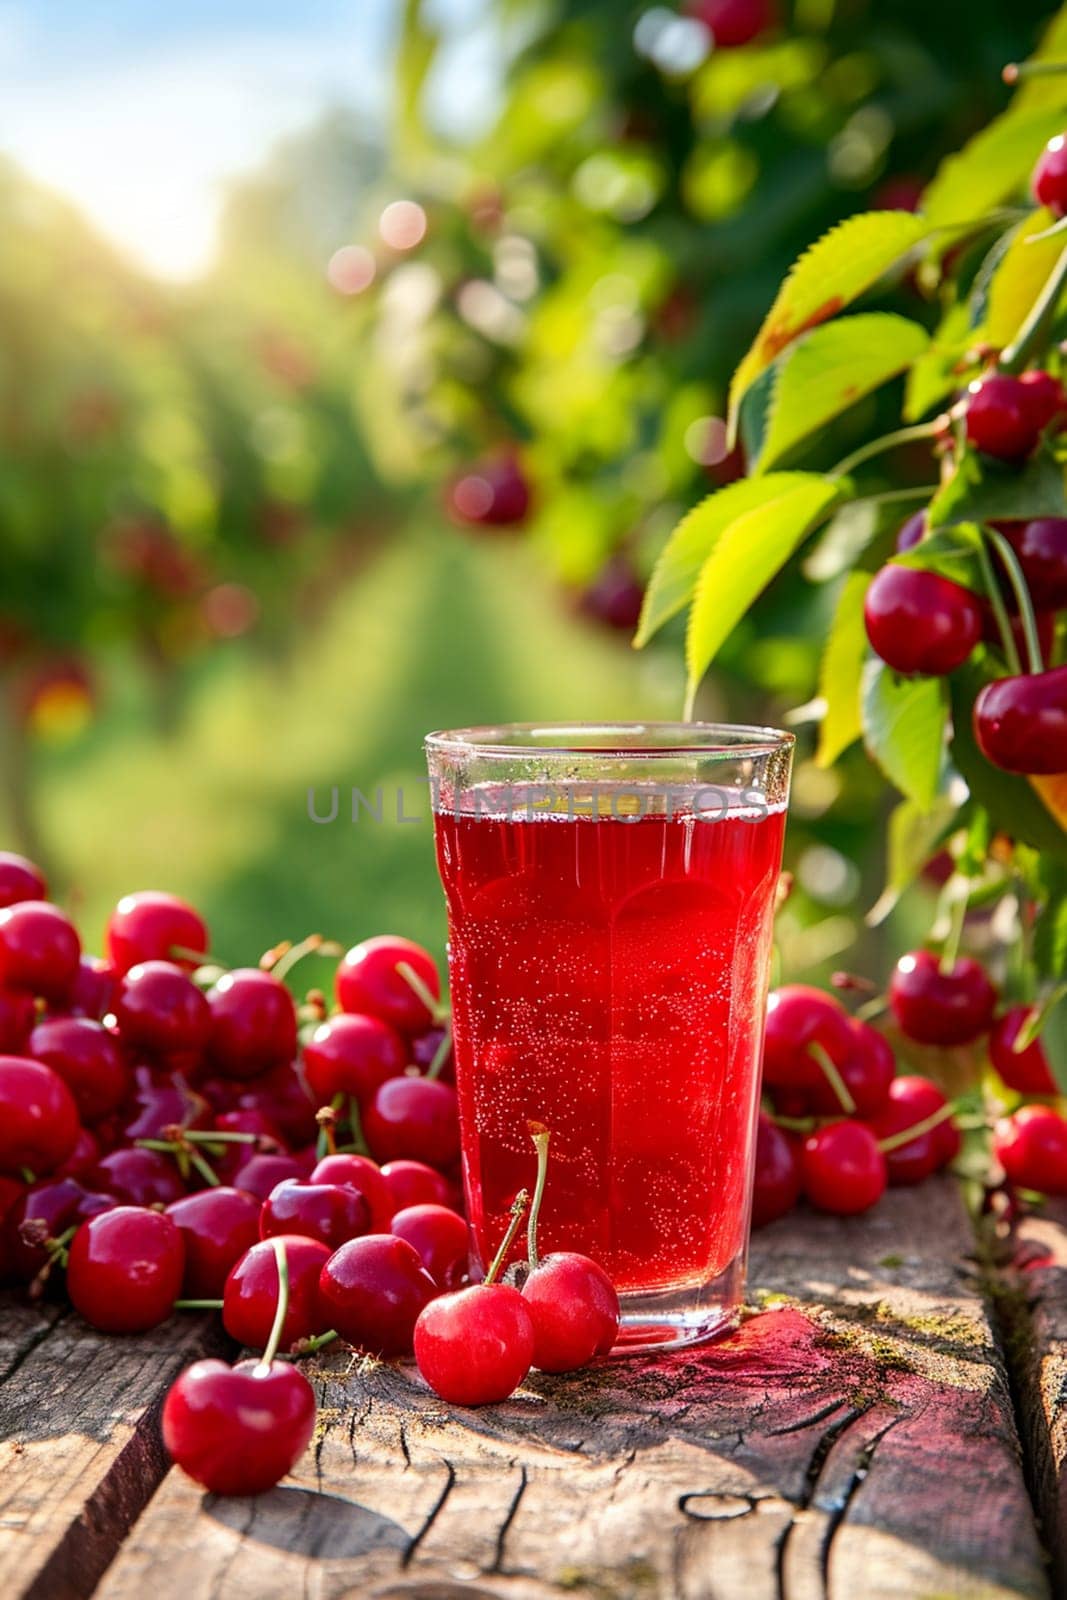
[(80, 1452), (1033, 1315), (856, 1438)]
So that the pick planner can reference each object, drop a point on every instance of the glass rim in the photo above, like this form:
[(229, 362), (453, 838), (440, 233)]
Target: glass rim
[(642, 741)]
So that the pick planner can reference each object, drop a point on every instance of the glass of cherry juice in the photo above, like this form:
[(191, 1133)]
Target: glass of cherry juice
[(610, 897)]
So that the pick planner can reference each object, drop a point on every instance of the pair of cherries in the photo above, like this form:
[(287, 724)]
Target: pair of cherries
[(475, 1346)]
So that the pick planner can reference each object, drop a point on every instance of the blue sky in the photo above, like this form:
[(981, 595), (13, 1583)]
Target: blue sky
[(140, 111)]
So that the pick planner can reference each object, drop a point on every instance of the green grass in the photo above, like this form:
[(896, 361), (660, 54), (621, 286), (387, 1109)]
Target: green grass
[(439, 631)]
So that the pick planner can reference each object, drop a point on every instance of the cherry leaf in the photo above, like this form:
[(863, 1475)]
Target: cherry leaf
[(830, 369), (904, 721), (992, 167)]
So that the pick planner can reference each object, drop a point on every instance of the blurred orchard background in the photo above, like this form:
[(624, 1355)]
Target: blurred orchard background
[(356, 359)]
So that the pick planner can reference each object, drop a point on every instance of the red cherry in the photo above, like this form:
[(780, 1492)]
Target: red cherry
[(125, 1269), (253, 1023), (87, 1058), (413, 1183), (413, 1117), (361, 1173), (1049, 181), (138, 1177), (797, 1018), (38, 1118), (368, 982), (441, 1238), (920, 622), (912, 532), (1021, 723), (235, 1156), (53, 1206), (82, 1158), (495, 494), (250, 1294), (1001, 418), (425, 1048), (371, 1291), (159, 1102), (777, 1181), (615, 596), (934, 1007), (1026, 1071), (332, 1212), (262, 1173), (152, 926), (1031, 1146), (866, 1073), (20, 880), (1045, 396), (281, 1095), (92, 994), (17, 1014), (911, 1100), (352, 1055), (39, 949), (1041, 546), (159, 1009), (217, 1227), (475, 1347), (732, 23), (574, 1309), (238, 1430), (842, 1169)]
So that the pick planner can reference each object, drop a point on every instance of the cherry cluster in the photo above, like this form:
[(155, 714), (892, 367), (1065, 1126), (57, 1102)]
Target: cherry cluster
[(839, 1125), (169, 1138), (923, 622)]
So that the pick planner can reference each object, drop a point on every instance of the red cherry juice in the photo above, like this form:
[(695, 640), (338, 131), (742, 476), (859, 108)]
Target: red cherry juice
[(608, 978)]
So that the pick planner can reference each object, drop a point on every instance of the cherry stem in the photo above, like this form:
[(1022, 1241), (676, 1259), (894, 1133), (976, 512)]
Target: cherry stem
[(440, 1055), (1035, 330), (896, 1141), (281, 1310), (1000, 610), (796, 1124), (326, 1117), (950, 950), (201, 958), (1032, 69), (309, 1346), (27, 1175), (437, 1010), (210, 1136), (198, 1305), (280, 962), (210, 1177), (1022, 594), (540, 1136), (853, 981), (358, 1142), (876, 1006), (888, 441), (518, 1206), (833, 1078)]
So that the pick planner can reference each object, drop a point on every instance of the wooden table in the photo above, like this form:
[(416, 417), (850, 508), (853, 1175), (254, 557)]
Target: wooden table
[(887, 1423)]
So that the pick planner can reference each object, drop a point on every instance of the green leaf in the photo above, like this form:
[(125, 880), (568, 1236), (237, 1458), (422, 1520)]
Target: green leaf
[(981, 490), (1050, 929), (746, 556), (904, 729), (935, 375), (991, 168), (1018, 279), (952, 552), (676, 572), (1012, 803), (1050, 90), (832, 368), (840, 670), (1054, 1040), (836, 270)]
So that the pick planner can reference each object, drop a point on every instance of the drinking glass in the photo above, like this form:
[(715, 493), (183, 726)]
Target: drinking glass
[(610, 895)]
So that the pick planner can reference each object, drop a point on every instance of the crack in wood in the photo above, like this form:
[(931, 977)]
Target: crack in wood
[(825, 1443), (431, 1516), (839, 1512), (509, 1518)]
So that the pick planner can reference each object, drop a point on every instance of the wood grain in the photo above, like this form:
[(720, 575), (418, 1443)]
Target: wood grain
[(80, 1452), (855, 1437)]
